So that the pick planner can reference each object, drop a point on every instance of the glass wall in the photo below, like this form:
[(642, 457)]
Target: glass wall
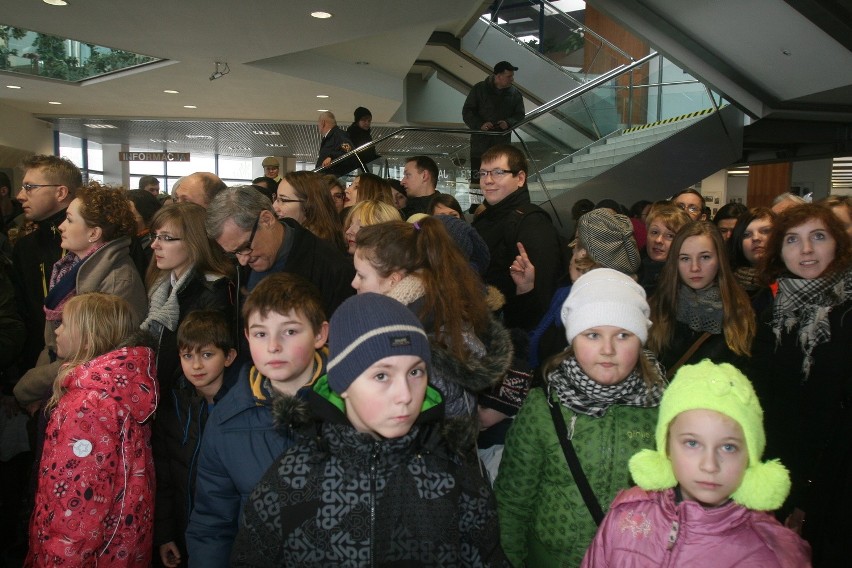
[(88, 156)]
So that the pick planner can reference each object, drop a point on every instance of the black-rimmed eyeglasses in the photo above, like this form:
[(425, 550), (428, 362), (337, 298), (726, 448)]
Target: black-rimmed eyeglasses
[(246, 249)]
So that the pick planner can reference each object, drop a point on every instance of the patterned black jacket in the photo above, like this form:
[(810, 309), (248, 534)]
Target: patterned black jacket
[(342, 498)]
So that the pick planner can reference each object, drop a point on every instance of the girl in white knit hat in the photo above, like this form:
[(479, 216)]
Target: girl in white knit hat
[(566, 453)]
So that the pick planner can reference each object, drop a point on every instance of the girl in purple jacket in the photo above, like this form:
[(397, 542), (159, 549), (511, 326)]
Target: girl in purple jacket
[(703, 495)]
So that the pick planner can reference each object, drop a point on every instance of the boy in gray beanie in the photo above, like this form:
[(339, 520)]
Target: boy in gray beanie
[(378, 477)]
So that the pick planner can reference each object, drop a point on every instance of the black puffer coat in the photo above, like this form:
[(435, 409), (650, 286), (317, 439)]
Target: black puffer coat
[(343, 498)]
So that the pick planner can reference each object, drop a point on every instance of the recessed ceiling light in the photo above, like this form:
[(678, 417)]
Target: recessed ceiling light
[(276, 145), (238, 148), (100, 126), (321, 15), (56, 2), (265, 132), (322, 96), (189, 106), (162, 141), (171, 91), (53, 103), (12, 87), (199, 136), (322, 110)]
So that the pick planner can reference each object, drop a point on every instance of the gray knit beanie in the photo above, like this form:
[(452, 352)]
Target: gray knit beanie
[(367, 328), (608, 238)]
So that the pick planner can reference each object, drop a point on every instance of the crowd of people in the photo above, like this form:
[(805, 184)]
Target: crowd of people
[(299, 373)]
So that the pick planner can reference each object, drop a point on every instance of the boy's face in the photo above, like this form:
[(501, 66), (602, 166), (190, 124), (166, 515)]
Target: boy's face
[(282, 348), (205, 366), (708, 454), (385, 400)]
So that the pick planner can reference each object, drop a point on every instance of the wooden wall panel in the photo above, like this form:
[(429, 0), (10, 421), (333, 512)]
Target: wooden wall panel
[(597, 60), (766, 181)]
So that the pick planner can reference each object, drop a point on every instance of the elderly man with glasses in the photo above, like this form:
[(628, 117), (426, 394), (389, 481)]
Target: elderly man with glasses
[(243, 222)]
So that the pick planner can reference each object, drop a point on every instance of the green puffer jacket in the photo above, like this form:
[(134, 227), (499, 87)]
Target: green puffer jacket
[(543, 519)]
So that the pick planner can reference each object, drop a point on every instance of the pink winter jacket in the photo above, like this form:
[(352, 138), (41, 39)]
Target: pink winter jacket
[(95, 500), (648, 529)]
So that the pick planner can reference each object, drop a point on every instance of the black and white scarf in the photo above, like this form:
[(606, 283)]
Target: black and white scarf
[(583, 395), (701, 310), (805, 304)]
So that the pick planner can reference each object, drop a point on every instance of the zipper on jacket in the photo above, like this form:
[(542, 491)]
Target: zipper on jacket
[(374, 458)]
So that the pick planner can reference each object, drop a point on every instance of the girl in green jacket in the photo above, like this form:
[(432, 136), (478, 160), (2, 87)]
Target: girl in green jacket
[(606, 389)]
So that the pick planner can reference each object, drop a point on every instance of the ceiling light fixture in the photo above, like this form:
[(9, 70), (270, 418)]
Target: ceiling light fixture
[(265, 132), (189, 106), (53, 103), (322, 110), (101, 126), (56, 2), (13, 87), (222, 69), (172, 92), (321, 15), (322, 96), (199, 136)]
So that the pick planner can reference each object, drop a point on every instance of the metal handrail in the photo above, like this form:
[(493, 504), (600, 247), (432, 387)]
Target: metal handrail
[(529, 117), (582, 26)]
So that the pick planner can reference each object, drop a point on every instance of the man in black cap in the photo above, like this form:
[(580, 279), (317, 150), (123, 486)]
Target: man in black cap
[(359, 134), (493, 105)]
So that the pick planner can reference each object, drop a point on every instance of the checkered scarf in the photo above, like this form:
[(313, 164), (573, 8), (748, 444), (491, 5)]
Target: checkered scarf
[(583, 395), (806, 304)]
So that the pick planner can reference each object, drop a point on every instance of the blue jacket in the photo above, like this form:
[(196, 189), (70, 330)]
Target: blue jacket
[(240, 442)]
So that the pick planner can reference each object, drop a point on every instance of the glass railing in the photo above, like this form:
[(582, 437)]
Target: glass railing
[(560, 37), (640, 94), (31, 53)]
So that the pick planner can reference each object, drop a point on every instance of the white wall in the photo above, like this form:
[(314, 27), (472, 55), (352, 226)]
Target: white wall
[(21, 135)]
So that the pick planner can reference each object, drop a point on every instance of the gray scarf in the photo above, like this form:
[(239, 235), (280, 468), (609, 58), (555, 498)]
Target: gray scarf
[(164, 310), (583, 395), (806, 304), (701, 310)]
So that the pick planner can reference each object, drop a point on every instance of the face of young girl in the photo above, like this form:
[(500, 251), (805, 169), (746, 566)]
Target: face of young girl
[(754, 240), (368, 279), (808, 249), (67, 342), (606, 353), (697, 262), (708, 454)]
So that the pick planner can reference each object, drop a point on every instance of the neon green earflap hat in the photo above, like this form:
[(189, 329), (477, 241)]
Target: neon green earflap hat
[(726, 390)]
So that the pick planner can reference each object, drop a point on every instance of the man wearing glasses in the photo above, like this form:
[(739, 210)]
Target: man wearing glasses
[(243, 222), (48, 187), (509, 219), (690, 201)]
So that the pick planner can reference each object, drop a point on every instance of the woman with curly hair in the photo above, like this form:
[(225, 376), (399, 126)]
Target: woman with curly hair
[(304, 197), (420, 266), (800, 370), (698, 303)]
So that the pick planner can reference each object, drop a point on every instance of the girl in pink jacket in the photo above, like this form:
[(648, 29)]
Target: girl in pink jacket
[(95, 500), (703, 495)]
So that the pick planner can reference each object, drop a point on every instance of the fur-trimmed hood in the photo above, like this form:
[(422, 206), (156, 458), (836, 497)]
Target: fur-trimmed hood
[(305, 415), (490, 359)]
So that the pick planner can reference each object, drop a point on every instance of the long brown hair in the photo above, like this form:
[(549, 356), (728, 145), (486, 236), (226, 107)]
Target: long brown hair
[(373, 188), (454, 297), (321, 216), (187, 219), (738, 321), (100, 322)]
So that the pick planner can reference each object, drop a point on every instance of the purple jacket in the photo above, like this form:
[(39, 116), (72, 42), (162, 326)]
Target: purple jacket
[(648, 529)]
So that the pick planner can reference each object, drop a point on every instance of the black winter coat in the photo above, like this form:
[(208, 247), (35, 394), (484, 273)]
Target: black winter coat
[(343, 498), (200, 293), (32, 259), (502, 226)]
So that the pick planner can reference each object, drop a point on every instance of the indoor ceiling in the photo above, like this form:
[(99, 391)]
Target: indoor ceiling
[(280, 58)]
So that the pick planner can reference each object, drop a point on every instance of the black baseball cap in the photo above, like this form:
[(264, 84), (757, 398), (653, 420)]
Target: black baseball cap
[(504, 66)]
